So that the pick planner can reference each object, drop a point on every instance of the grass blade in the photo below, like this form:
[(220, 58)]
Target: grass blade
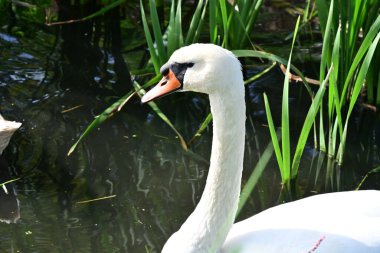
[(178, 24), (208, 119), (153, 55), (91, 16), (272, 57), (109, 112), (223, 10), (213, 20), (157, 33), (372, 33), (323, 13), (356, 91), (308, 123), (255, 176), (375, 170), (158, 111), (285, 131), (194, 23), (203, 126), (171, 31), (325, 58), (273, 134)]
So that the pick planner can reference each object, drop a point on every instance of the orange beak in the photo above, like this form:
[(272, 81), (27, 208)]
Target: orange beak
[(167, 85)]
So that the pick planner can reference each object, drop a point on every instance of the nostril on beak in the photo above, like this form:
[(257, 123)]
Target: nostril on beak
[(164, 82)]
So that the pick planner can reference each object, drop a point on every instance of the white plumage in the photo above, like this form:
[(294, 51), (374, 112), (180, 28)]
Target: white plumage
[(346, 222), (7, 128)]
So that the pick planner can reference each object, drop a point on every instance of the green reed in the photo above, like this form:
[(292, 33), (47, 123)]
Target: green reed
[(350, 32), (220, 15), (289, 166)]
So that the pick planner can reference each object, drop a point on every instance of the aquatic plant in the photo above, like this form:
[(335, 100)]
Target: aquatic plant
[(350, 32)]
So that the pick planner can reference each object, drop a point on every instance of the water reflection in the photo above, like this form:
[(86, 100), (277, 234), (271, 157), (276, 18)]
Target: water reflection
[(9, 203)]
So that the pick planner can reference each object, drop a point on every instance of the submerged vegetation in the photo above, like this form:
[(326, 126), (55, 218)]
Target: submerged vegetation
[(312, 122)]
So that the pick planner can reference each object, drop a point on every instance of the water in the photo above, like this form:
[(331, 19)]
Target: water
[(56, 82)]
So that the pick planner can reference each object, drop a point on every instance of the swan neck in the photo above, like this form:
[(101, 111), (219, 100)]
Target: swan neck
[(219, 201), (207, 227)]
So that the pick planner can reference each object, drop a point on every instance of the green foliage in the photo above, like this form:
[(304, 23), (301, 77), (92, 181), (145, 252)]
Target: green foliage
[(283, 153), (350, 49), (109, 112), (229, 26), (158, 111), (373, 171), (288, 166)]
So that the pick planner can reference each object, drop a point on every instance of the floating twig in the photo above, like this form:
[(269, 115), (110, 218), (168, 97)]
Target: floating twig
[(97, 199), (71, 109), (296, 78), (9, 181)]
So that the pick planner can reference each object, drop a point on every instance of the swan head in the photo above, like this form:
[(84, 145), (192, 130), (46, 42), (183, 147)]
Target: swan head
[(204, 68)]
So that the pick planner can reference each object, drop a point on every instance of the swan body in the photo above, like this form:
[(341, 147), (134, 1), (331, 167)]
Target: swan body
[(325, 223), (346, 222), (9, 204), (7, 128)]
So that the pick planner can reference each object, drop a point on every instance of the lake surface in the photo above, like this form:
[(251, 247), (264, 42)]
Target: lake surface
[(55, 81)]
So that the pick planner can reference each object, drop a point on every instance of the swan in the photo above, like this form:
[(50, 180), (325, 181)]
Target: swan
[(9, 204), (346, 222), (7, 129)]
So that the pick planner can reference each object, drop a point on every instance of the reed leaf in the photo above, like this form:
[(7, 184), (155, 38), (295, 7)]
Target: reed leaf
[(223, 10), (203, 126), (200, 24), (171, 30), (194, 24), (208, 118), (372, 33), (356, 91), (104, 10), (254, 177), (254, 12), (140, 90), (325, 58), (213, 20), (272, 57), (273, 134), (162, 57), (323, 12), (178, 24), (109, 112), (308, 123), (154, 57), (375, 170)]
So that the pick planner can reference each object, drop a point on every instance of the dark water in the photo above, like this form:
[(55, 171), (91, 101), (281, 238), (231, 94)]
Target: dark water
[(134, 158)]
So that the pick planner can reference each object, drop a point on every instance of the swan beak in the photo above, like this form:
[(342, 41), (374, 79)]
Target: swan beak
[(167, 85)]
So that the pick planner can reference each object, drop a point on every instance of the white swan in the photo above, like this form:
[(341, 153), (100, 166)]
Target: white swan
[(328, 223), (7, 129)]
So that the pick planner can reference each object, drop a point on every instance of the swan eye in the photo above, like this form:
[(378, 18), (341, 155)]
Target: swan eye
[(190, 64), (164, 71)]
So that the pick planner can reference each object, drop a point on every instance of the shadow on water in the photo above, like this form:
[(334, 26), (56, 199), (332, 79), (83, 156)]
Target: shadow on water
[(56, 81)]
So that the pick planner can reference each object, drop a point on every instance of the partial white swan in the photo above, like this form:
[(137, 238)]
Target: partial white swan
[(7, 128), (9, 204), (346, 222)]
